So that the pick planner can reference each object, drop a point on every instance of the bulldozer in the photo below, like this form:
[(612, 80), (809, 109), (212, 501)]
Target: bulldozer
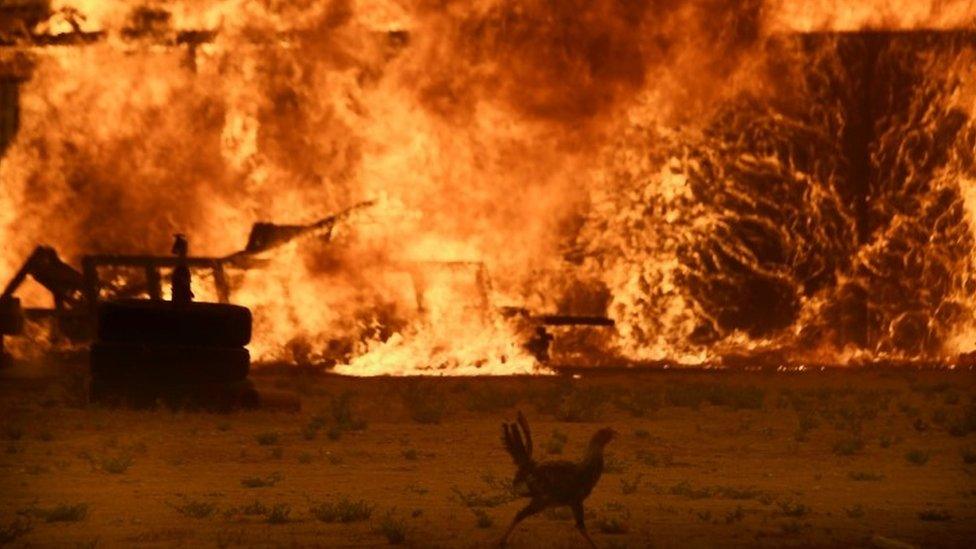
[(77, 295)]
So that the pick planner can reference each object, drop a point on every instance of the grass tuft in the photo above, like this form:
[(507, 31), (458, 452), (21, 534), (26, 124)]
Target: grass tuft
[(342, 414), (279, 514), (267, 439), (865, 476), (934, 515), (848, 446), (196, 509), (424, 404), (14, 529), (917, 457), (793, 509), (628, 487), (484, 520), (116, 465), (344, 511), (261, 482), (854, 512), (611, 525), (391, 527)]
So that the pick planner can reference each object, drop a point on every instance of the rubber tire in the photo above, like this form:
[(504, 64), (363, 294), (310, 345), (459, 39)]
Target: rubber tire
[(163, 322), (168, 365)]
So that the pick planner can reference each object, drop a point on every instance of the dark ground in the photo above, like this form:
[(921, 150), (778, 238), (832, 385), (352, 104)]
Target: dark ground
[(838, 458)]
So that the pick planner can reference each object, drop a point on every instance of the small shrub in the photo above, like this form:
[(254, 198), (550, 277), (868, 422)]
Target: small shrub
[(792, 509), (344, 511), (917, 457), (63, 513), (556, 442), (309, 432), (261, 482), (611, 525), (865, 476), (423, 403), (483, 519), (254, 508), (654, 460), (267, 439), (343, 416), (640, 402), (580, 405), (196, 509), (116, 465), (848, 446), (792, 527), (886, 441), (854, 512), (684, 488), (279, 514), (392, 528), (807, 422), (12, 530), (558, 513), (305, 458), (642, 433), (732, 492), (410, 454), (614, 466), (934, 515), (735, 515), (223, 426), (417, 489), (628, 487), (968, 456), (964, 423), (13, 432), (693, 395), (475, 499)]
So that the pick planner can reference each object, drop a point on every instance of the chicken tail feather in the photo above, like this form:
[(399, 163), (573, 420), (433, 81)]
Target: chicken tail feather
[(517, 445)]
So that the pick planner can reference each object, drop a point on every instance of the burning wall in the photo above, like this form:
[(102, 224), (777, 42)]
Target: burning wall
[(729, 184), (821, 209)]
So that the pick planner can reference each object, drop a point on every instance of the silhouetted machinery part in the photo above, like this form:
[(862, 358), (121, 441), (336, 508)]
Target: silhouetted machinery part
[(188, 354), (146, 322), (168, 364), (11, 320)]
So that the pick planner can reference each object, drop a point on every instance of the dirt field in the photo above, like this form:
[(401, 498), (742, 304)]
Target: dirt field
[(704, 459)]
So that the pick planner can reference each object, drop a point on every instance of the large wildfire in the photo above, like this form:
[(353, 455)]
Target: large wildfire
[(721, 178)]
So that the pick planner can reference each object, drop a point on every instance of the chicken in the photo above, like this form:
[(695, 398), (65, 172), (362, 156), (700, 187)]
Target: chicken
[(553, 483)]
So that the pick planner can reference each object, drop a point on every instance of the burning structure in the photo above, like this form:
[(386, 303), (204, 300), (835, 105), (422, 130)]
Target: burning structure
[(723, 180)]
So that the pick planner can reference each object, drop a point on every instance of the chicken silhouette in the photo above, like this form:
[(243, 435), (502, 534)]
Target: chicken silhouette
[(553, 483)]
